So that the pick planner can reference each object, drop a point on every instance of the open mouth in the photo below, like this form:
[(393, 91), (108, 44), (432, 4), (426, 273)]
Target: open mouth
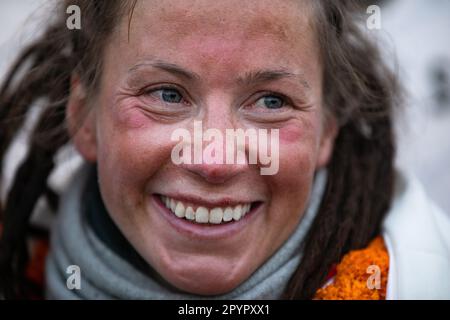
[(203, 215)]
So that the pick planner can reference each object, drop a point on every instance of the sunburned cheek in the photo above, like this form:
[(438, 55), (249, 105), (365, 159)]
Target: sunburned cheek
[(132, 118), (290, 134), (297, 148)]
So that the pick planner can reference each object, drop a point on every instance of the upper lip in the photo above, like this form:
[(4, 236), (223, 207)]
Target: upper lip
[(208, 203)]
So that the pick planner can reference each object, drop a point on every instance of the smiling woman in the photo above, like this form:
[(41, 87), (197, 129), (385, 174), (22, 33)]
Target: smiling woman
[(141, 225)]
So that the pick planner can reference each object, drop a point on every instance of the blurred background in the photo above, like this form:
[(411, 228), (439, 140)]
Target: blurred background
[(415, 38)]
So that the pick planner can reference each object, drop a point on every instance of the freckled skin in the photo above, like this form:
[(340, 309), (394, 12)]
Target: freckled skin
[(130, 134)]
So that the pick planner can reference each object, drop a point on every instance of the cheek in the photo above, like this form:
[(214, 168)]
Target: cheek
[(298, 144), (290, 135), (132, 149), (131, 119), (298, 153), (291, 186), (297, 166)]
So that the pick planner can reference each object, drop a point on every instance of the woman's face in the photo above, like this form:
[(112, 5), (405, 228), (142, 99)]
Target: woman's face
[(230, 64)]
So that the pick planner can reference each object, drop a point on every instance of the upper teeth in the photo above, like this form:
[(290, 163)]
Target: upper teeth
[(203, 215)]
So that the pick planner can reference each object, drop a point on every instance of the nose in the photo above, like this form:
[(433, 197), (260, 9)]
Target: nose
[(212, 162)]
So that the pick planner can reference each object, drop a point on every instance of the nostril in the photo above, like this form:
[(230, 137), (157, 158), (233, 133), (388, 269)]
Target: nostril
[(214, 173)]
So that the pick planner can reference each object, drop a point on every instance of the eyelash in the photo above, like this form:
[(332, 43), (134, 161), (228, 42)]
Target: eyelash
[(285, 100), (149, 91)]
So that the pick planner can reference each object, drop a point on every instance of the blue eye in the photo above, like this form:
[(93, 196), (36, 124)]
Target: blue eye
[(271, 102), (168, 95)]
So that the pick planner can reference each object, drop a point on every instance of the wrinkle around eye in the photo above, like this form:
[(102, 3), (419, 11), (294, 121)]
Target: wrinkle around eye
[(148, 98), (277, 119), (127, 102)]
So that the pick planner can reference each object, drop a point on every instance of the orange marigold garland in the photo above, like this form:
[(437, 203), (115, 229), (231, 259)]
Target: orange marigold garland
[(352, 274)]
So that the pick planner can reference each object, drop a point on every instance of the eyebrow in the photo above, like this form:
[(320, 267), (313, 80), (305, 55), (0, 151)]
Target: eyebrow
[(250, 78), (262, 76), (168, 67)]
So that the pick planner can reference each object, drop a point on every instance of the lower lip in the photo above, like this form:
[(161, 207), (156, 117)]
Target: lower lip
[(204, 231)]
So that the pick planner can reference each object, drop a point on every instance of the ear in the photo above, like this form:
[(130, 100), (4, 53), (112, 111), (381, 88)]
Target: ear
[(81, 121), (326, 146)]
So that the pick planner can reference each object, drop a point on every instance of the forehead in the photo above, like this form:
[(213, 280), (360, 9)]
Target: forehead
[(208, 34), (275, 17)]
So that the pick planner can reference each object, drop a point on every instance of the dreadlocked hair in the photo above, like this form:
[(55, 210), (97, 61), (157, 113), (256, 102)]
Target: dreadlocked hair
[(42, 73), (359, 91)]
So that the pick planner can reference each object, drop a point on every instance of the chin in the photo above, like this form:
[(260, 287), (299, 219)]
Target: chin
[(195, 279)]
